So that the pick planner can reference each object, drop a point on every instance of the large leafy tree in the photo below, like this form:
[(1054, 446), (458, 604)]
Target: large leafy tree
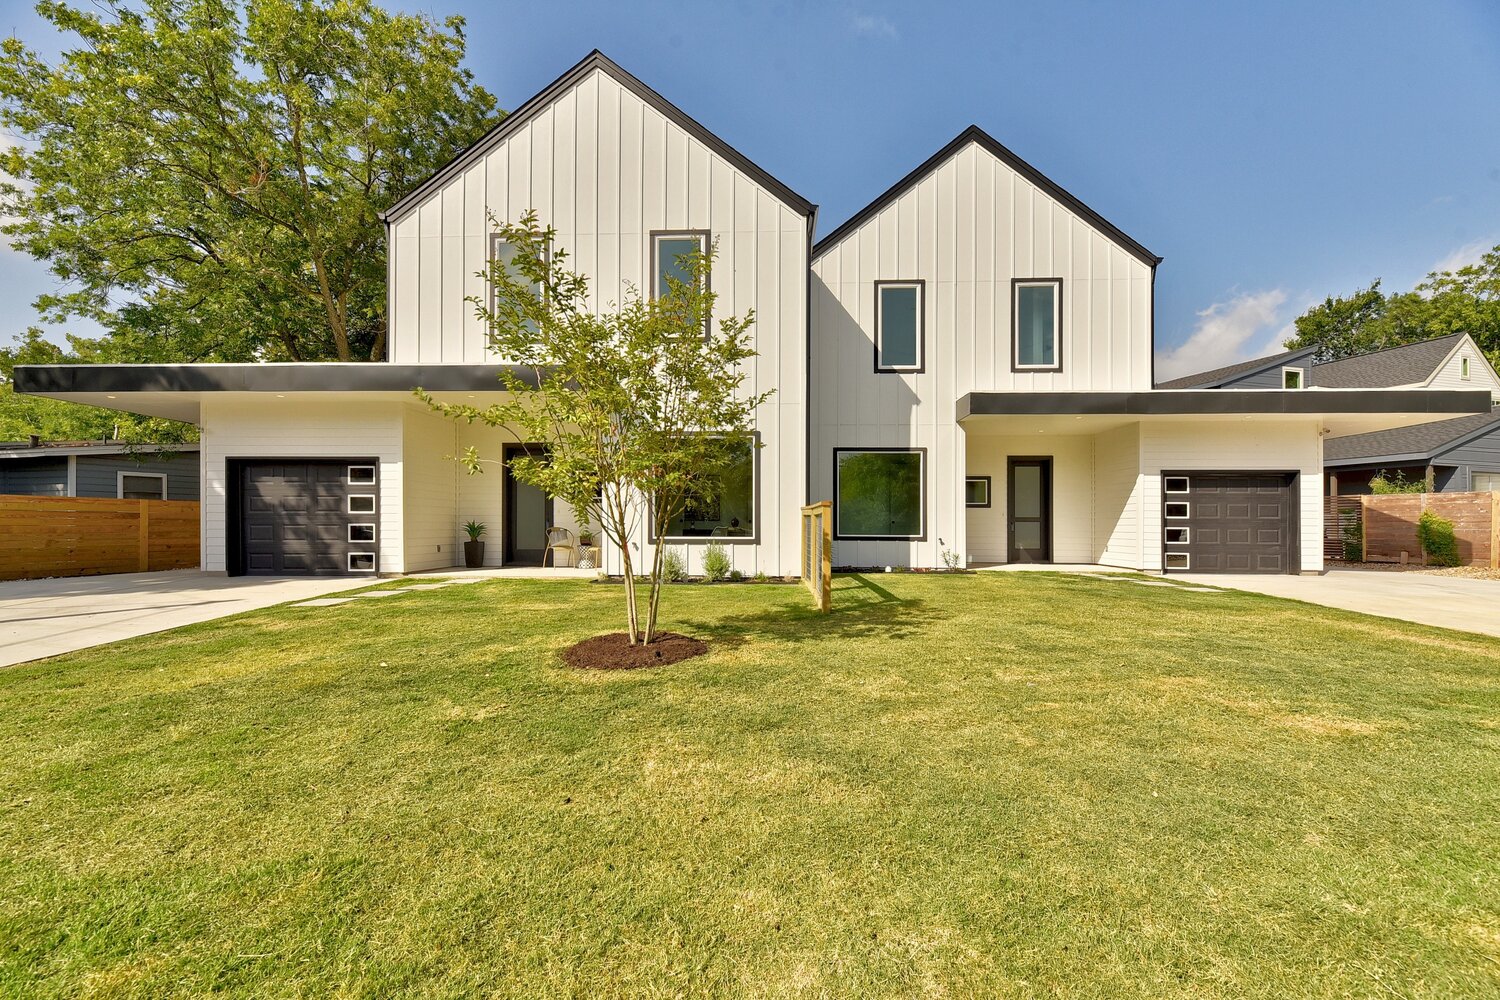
[(204, 176), (641, 413), (1466, 300)]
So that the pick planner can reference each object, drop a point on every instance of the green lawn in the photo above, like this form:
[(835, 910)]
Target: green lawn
[(992, 785)]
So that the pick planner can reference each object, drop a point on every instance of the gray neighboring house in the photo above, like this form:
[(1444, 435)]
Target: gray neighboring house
[(1454, 456), (98, 469)]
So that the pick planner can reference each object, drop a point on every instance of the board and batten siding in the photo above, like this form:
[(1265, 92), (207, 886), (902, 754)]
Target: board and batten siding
[(606, 169), (966, 228), (249, 425)]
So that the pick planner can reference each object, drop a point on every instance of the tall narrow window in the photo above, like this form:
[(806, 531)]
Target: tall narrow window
[(1464, 369), (505, 254), (1037, 315), (671, 255), (898, 326), (878, 493)]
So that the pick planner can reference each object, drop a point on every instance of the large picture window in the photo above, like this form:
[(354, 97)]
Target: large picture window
[(878, 493), (898, 326), (729, 512), (669, 254), (1037, 315)]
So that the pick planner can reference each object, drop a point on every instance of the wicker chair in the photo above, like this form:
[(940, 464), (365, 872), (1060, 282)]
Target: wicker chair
[(560, 540)]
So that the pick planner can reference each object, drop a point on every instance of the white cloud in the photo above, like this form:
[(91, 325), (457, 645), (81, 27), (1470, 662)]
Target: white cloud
[(1247, 326), (1469, 253), (877, 25)]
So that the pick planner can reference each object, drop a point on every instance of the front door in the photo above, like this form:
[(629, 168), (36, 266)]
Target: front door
[(528, 513), (1029, 508)]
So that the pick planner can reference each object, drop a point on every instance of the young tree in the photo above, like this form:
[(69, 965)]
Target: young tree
[(205, 174), (641, 409)]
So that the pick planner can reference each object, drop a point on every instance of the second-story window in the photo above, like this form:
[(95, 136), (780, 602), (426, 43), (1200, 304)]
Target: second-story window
[(671, 254), (505, 254), (1291, 378), (1036, 309), (898, 326), (1464, 366)]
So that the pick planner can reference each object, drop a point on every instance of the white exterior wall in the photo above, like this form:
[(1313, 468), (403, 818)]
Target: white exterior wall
[(967, 228), (1242, 446), (1117, 497), (1072, 494), (1481, 375), (430, 523), (254, 425), (606, 169)]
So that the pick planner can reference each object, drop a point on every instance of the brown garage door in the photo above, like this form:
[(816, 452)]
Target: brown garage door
[(1216, 522), (301, 518)]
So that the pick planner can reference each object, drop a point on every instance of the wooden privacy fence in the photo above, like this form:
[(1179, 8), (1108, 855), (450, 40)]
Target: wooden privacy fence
[(83, 536), (817, 552), (1388, 525)]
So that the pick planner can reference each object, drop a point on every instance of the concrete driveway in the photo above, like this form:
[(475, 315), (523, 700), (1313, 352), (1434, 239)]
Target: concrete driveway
[(46, 617), (1445, 601)]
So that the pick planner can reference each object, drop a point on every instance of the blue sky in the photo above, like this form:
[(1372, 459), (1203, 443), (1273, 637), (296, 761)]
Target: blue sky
[(1273, 153)]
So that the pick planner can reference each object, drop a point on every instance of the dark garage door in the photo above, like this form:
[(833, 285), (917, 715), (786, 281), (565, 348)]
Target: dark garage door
[(1229, 522), (307, 518)]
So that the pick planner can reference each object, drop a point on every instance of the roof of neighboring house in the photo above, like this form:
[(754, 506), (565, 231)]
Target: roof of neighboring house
[(1217, 377), (985, 141), (1408, 364), (1418, 441), (26, 449), (595, 60)]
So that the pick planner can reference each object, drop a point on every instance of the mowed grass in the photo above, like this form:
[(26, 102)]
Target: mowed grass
[(995, 785)]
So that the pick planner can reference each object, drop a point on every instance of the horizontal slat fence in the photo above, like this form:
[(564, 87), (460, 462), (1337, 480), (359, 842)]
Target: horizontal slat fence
[(84, 536), (1390, 526)]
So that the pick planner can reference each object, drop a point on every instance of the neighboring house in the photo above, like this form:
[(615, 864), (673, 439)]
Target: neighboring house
[(98, 469), (964, 366), (1451, 455)]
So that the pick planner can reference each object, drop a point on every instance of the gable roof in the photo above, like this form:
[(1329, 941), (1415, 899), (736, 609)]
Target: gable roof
[(1418, 441), (595, 60), (1218, 376), (985, 141), (1408, 364)]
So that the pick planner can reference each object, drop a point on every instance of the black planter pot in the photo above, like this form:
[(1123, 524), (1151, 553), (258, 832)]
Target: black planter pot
[(473, 554)]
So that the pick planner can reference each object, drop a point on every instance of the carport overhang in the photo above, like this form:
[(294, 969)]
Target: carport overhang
[(177, 391), (1340, 411)]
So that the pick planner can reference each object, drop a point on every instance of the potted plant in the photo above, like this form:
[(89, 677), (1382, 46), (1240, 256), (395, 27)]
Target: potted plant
[(585, 536), (474, 548)]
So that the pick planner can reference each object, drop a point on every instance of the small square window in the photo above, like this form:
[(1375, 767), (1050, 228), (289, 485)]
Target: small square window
[(361, 503), (1177, 536), (1177, 560), (1176, 484), (1177, 508), (361, 532), (361, 562), (1291, 378), (977, 491), (361, 475)]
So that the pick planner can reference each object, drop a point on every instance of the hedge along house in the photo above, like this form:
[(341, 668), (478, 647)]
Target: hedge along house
[(982, 359), (965, 365)]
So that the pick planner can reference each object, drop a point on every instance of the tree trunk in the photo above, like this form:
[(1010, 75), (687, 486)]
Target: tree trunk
[(632, 612), (654, 600)]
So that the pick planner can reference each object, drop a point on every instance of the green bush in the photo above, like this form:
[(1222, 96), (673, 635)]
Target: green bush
[(715, 562), (673, 567), (1436, 536), (1384, 485), (1354, 543)]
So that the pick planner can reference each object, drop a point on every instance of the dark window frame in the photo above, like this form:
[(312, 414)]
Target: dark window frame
[(705, 239), (1015, 325), (922, 493), (920, 284), (989, 495), (751, 539), (498, 240)]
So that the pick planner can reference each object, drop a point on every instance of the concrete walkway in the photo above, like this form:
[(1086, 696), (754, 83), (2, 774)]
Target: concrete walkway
[(40, 618), (1445, 601)]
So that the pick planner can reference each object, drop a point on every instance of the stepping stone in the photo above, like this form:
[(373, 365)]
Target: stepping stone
[(323, 602), (1202, 590), (378, 593), (424, 586)]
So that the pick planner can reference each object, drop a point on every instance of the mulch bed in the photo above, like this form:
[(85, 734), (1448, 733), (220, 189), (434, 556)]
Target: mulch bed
[(614, 651)]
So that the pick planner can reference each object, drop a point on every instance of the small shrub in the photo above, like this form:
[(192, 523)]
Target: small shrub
[(735, 576), (715, 562), (1438, 541), (673, 566), (1384, 485), (1354, 549), (761, 577), (952, 560)]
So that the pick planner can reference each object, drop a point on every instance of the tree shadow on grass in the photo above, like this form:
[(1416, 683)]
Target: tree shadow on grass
[(861, 609)]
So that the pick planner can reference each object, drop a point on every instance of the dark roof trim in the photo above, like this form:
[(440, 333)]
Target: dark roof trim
[(1426, 456), (594, 60), (1187, 402), (311, 377), (977, 135), (1216, 377)]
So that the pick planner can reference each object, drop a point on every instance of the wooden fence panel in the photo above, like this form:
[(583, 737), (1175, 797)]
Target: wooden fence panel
[(817, 552), (84, 536), (1390, 525)]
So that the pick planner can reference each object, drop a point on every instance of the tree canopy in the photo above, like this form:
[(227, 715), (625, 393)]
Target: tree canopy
[(204, 176), (1463, 301)]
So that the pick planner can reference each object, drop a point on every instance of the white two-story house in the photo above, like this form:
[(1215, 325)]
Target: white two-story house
[(963, 367)]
